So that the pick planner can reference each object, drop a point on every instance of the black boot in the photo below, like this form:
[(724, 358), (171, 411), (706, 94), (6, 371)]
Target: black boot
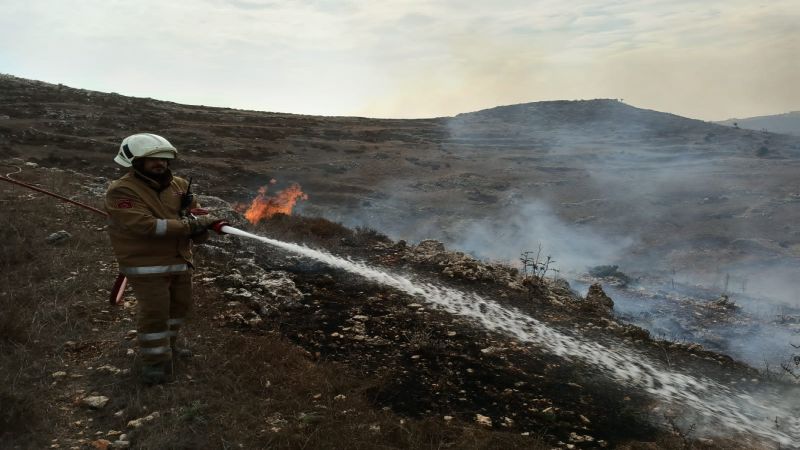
[(156, 373), (178, 350)]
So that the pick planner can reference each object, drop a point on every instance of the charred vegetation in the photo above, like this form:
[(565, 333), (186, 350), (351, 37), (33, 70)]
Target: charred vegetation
[(318, 357)]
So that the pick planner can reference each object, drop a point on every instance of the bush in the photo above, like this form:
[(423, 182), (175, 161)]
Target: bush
[(611, 271)]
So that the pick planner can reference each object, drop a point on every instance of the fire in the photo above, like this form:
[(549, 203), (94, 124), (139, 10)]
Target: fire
[(263, 206)]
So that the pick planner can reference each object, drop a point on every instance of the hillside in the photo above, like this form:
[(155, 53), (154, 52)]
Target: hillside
[(787, 123), (636, 187), (595, 182), (290, 353), (689, 209)]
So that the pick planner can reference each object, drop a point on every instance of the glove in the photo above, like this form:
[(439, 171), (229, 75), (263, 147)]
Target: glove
[(199, 224), (198, 212), (217, 226)]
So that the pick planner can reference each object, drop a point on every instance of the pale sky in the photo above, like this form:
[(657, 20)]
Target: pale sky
[(711, 59)]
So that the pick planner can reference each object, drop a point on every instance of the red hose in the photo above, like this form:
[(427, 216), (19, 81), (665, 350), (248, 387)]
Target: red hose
[(60, 197), (115, 298)]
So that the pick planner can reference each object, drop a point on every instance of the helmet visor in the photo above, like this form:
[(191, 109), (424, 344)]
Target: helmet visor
[(162, 154)]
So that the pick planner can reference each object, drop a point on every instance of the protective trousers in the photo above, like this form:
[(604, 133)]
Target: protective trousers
[(163, 303)]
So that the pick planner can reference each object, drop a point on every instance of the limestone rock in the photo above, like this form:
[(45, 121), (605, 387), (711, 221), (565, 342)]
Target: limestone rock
[(430, 246), (597, 299), (109, 369), (59, 237), (95, 401), (281, 288), (483, 421), (461, 265), (137, 423), (264, 292)]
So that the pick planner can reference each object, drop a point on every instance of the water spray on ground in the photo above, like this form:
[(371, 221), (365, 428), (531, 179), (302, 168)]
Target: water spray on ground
[(766, 416)]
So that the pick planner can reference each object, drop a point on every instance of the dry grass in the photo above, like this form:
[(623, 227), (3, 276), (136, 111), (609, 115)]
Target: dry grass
[(41, 301)]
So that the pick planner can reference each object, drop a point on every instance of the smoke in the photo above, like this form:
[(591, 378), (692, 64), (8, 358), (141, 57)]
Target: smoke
[(535, 224), (717, 405), (730, 256), (497, 233), (774, 282), (600, 182)]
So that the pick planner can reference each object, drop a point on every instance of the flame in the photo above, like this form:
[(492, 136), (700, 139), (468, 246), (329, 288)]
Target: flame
[(263, 206)]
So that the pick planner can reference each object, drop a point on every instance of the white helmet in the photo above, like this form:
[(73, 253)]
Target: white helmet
[(144, 145)]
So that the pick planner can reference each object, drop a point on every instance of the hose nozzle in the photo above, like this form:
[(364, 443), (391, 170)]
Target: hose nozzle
[(217, 226)]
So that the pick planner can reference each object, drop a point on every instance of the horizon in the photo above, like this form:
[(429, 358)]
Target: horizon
[(392, 118), (416, 59)]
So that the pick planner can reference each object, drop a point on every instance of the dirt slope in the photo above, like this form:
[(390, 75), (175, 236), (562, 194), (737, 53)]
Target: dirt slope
[(294, 354)]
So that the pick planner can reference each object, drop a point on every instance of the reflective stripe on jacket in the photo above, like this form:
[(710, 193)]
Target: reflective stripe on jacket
[(146, 232)]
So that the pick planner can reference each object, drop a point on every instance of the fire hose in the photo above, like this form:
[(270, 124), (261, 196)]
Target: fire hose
[(115, 298), (60, 197)]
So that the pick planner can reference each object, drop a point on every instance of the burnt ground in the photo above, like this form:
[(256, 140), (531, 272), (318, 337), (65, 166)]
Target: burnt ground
[(432, 364), (436, 365), (346, 364), (276, 379)]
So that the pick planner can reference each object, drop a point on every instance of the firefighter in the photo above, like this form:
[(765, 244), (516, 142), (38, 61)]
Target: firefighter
[(151, 230)]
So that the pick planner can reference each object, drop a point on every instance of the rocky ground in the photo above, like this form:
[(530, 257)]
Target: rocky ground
[(293, 354)]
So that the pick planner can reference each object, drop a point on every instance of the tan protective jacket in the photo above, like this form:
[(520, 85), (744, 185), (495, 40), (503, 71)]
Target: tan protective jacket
[(146, 232)]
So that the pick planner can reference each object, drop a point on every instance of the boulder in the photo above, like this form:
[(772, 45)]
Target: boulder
[(264, 292), (427, 251), (95, 401), (483, 421), (596, 299), (281, 288), (59, 237)]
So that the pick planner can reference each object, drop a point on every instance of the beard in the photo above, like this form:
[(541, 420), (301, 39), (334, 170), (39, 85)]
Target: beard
[(163, 177)]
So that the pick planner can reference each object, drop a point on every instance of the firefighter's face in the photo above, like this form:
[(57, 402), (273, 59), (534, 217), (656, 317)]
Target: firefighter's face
[(155, 165)]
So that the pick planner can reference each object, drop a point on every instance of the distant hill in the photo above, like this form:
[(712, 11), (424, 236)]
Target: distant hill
[(576, 112), (788, 123), (585, 120)]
